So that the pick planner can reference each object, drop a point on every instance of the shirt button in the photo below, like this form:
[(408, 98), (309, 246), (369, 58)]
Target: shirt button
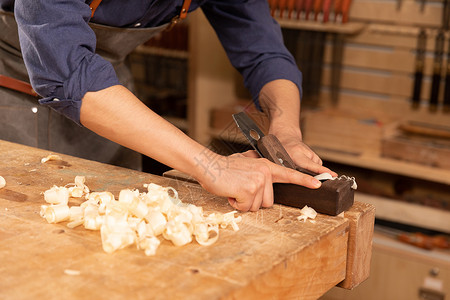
[(137, 25)]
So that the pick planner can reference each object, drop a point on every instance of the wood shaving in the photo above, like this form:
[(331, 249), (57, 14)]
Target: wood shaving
[(307, 213), (327, 176), (50, 157), (2, 182), (72, 272), (135, 217)]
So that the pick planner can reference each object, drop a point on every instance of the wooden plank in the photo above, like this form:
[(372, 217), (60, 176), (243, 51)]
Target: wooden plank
[(387, 83), (349, 28), (36, 254), (388, 12), (379, 59), (407, 213), (278, 284), (426, 151), (394, 35), (361, 217), (385, 165), (384, 108), (342, 131)]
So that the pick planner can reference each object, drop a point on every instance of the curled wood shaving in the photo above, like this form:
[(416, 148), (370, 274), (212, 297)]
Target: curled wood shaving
[(135, 217), (327, 176), (72, 272), (2, 182), (307, 213), (50, 157)]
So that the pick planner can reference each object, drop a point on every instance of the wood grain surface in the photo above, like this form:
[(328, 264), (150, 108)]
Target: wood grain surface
[(361, 218), (272, 256)]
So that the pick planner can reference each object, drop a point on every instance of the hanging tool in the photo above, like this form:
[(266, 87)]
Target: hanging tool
[(304, 60), (308, 8), (299, 8), (437, 69), (336, 67), (345, 10), (317, 10), (291, 7), (446, 16), (420, 63), (318, 48), (281, 8), (326, 10), (418, 239), (332, 198), (399, 4), (272, 6), (447, 83), (338, 11)]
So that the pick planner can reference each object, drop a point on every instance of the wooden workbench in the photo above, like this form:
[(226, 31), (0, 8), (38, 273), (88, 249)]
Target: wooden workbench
[(273, 255)]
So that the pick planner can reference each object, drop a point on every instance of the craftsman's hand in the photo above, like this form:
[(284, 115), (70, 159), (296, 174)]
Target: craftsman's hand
[(247, 181), (300, 153), (280, 100)]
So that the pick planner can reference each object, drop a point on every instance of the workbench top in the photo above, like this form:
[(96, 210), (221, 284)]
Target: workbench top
[(273, 255)]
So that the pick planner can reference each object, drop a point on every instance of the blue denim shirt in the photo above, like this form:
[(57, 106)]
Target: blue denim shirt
[(58, 46)]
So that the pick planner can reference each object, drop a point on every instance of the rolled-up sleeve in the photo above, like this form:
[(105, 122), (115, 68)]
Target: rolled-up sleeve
[(253, 42), (58, 48)]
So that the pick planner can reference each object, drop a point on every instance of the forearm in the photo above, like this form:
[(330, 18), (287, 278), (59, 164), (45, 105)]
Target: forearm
[(116, 114), (280, 100)]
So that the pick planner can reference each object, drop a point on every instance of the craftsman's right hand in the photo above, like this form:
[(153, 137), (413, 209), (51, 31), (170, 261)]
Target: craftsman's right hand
[(247, 180)]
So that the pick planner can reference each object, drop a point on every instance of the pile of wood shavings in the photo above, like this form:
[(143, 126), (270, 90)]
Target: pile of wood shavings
[(135, 218)]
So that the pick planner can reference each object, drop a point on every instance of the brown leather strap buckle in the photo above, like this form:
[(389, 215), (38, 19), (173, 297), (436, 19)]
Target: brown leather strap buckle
[(181, 16), (94, 4)]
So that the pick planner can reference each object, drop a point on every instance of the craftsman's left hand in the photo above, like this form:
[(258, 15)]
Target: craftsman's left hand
[(280, 100), (301, 154)]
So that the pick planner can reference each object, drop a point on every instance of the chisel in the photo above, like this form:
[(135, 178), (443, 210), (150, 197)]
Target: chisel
[(317, 9), (437, 69), (338, 11), (447, 83), (326, 10), (299, 8), (308, 8), (336, 67), (273, 6), (420, 62), (345, 10), (281, 8)]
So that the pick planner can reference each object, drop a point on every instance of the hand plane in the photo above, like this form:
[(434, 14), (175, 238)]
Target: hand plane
[(333, 197)]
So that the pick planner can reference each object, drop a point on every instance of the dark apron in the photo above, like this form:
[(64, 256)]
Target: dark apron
[(24, 121)]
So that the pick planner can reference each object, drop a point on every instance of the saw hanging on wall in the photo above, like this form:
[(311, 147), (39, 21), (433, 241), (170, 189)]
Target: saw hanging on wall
[(333, 197)]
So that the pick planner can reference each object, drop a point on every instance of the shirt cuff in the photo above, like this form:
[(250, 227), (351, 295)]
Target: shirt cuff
[(92, 75), (269, 70)]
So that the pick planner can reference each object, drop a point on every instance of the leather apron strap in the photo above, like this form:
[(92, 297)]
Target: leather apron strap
[(17, 85), (183, 13), (26, 88), (94, 4)]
